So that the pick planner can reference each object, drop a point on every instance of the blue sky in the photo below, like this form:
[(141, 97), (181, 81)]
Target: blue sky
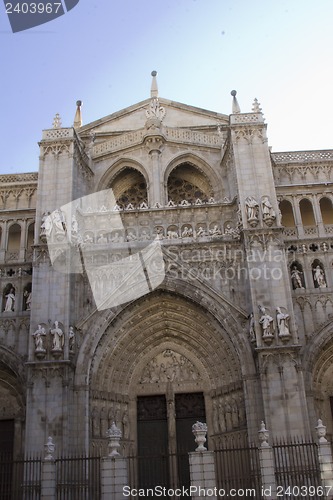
[(103, 52)]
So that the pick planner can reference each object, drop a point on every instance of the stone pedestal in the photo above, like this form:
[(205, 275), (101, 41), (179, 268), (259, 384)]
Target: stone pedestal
[(202, 475), (114, 477)]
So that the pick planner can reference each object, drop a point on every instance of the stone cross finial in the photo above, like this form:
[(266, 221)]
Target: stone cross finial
[(56, 121), (49, 448), (154, 88)]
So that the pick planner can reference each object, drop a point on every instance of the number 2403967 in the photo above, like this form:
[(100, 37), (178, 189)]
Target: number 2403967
[(32, 8)]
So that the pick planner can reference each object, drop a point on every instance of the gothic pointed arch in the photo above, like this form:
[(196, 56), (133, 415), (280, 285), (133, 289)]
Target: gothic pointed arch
[(129, 181), (188, 177)]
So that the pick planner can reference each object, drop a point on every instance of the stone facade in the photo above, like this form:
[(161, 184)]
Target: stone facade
[(242, 316)]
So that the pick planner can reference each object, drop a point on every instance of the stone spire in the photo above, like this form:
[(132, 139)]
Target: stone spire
[(235, 105), (78, 115), (154, 88)]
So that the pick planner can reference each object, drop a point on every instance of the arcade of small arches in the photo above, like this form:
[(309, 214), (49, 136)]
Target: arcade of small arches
[(310, 212), (16, 240)]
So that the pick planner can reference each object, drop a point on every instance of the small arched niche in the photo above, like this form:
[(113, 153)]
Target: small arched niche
[(326, 209), (288, 219), (307, 214), (14, 238)]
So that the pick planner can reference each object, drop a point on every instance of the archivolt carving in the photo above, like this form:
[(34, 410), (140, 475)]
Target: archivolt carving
[(159, 318)]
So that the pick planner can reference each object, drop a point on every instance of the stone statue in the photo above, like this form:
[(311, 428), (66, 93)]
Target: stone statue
[(75, 225), (71, 339), (296, 278), (58, 337), (102, 239), (266, 322), (131, 236), (252, 208), (46, 225), (10, 301), (215, 231), (38, 337), (201, 231), (282, 320), (252, 331), (268, 212), (125, 422), (319, 277), (59, 224), (28, 297), (187, 232)]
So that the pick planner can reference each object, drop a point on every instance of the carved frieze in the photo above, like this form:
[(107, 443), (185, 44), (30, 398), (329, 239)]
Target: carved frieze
[(169, 366)]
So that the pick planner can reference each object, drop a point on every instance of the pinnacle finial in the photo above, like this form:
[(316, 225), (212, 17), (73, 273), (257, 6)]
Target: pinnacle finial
[(256, 106), (78, 115), (235, 105), (56, 121), (154, 88)]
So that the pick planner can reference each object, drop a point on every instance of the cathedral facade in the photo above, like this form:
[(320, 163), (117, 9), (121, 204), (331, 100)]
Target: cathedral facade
[(228, 320)]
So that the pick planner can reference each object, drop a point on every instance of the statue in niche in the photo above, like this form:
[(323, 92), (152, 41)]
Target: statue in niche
[(58, 337), (234, 414), (102, 239), (319, 277), (145, 235), (266, 322), (296, 278), (268, 213), (88, 239), (252, 331), (46, 225), (131, 236), (187, 232), (222, 423), (172, 235), (10, 300), (59, 224), (215, 231), (125, 422), (201, 231), (252, 209), (228, 416), (28, 297), (282, 320), (215, 418), (75, 226), (38, 338), (71, 339)]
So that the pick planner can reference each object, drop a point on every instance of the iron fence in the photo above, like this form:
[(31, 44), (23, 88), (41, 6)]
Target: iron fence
[(297, 466), (78, 478), (166, 471), (238, 469), (20, 478)]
